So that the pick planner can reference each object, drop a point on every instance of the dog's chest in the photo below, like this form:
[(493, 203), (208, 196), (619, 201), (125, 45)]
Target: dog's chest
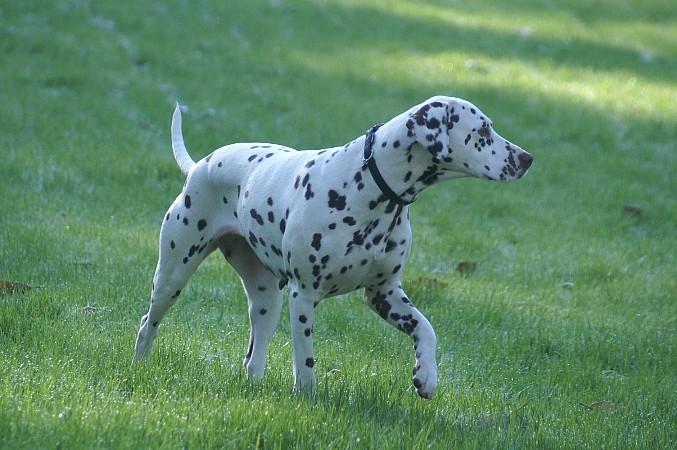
[(316, 229)]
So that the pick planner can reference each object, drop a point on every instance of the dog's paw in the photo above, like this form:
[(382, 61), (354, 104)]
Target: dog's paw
[(307, 390), (305, 384), (254, 371), (425, 382)]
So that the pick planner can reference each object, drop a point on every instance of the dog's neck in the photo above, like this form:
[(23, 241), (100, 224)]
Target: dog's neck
[(406, 166)]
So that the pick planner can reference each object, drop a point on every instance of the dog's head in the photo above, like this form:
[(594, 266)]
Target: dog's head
[(464, 142)]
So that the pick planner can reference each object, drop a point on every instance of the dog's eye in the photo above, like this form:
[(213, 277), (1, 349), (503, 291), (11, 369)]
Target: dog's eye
[(485, 132)]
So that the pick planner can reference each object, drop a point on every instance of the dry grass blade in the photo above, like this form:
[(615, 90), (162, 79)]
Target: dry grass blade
[(8, 287)]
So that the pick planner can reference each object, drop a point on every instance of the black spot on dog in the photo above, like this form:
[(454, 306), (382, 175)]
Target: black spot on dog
[(358, 178), (201, 224), (256, 216), (316, 244), (433, 123), (381, 305), (253, 240), (390, 246), (186, 201), (436, 148), (358, 238), (409, 325), (192, 250), (350, 221), (309, 192), (336, 201), (310, 362)]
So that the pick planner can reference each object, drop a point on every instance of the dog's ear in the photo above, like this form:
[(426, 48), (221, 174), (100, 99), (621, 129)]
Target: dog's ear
[(429, 127)]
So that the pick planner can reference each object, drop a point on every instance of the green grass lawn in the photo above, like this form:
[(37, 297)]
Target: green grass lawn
[(562, 337)]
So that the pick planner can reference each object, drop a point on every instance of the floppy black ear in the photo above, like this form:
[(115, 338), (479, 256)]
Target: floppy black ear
[(428, 126)]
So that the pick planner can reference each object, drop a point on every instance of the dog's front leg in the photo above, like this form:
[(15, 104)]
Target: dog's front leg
[(302, 310), (393, 305)]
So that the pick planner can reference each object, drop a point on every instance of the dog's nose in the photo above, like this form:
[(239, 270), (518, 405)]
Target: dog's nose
[(525, 160)]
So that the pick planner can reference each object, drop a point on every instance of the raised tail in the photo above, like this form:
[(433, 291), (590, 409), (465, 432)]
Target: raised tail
[(181, 155)]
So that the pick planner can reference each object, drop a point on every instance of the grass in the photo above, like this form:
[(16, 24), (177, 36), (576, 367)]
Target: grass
[(563, 336)]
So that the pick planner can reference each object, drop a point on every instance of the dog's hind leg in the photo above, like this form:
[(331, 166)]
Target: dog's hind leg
[(178, 260), (264, 296)]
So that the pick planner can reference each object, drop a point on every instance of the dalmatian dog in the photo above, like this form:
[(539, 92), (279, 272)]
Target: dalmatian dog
[(322, 223)]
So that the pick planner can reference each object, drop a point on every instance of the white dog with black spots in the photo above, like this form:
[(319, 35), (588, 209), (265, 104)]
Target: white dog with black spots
[(322, 223)]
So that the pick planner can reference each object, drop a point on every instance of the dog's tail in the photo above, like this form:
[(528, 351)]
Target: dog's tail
[(180, 153)]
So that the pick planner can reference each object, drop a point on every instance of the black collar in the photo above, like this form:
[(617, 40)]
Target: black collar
[(370, 162)]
